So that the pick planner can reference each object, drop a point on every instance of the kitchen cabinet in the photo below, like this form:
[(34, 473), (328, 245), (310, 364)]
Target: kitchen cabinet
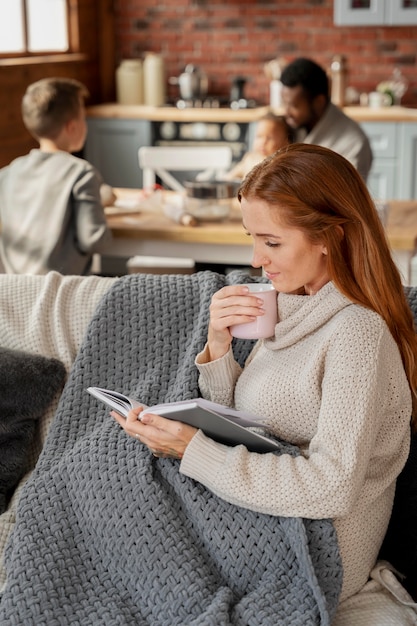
[(112, 146), (383, 175), (394, 168), (375, 12), (401, 12), (408, 167)]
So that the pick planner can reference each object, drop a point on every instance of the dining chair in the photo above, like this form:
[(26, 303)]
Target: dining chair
[(164, 161)]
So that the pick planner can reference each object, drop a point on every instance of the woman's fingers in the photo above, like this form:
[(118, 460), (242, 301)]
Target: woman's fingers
[(234, 305), (164, 437)]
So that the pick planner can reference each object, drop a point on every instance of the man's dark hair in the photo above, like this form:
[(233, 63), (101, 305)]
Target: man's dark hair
[(307, 74)]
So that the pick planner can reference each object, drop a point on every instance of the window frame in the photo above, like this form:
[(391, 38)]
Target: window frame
[(39, 55)]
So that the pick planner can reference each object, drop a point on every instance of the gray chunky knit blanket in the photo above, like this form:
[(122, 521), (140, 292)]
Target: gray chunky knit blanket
[(108, 534)]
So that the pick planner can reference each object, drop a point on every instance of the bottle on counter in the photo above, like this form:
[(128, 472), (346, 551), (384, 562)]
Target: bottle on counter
[(275, 91), (338, 80), (129, 82), (154, 79)]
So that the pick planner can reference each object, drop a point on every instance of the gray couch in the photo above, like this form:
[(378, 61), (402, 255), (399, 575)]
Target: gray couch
[(76, 320)]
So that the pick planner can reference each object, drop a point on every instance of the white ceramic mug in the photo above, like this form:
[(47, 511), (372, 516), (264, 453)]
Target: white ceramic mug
[(264, 325), (377, 99)]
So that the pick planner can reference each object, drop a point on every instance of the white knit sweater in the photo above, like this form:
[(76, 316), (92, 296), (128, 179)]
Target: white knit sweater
[(332, 382)]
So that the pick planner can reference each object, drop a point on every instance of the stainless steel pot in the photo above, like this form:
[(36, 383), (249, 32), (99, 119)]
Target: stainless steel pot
[(212, 189), (192, 83), (210, 200)]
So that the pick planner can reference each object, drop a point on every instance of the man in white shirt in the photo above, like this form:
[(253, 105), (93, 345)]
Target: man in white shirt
[(308, 109)]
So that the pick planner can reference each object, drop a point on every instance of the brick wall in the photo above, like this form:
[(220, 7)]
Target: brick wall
[(238, 37)]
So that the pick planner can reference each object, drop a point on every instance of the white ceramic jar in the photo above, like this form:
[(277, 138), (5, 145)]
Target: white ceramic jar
[(154, 79), (275, 94), (129, 82)]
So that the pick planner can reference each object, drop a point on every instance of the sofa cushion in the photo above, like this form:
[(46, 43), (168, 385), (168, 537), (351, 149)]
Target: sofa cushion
[(44, 315), (400, 543), (28, 384)]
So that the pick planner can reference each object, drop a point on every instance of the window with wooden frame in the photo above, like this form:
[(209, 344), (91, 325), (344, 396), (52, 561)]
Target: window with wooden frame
[(34, 27)]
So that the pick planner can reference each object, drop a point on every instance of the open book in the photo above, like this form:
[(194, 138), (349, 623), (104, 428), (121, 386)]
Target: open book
[(219, 422)]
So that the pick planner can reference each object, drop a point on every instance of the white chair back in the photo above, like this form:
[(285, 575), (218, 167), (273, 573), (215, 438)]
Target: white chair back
[(162, 160)]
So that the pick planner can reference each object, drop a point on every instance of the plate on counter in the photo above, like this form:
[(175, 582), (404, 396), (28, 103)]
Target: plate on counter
[(124, 206)]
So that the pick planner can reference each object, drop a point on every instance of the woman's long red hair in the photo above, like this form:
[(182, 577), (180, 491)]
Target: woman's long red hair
[(320, 192)]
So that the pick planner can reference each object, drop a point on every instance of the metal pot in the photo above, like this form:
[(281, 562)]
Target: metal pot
[(212, 189), (192, 83), (210, 200), (237, 91)]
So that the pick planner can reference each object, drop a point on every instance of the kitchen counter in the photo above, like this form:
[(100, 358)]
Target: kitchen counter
[(171, 113), (383, 114), (152, 233)]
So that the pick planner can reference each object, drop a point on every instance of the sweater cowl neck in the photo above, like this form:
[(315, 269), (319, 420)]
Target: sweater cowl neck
[(301, 315)]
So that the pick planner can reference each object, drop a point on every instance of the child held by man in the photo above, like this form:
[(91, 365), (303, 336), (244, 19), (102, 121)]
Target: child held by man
[(272, 133)]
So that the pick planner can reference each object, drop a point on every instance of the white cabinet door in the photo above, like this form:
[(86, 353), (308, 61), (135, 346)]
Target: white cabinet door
[(354, 12), (407, 184), (401, 12), (375, 12), (112, 146), (382, 179), (383, 137), (394, 168)]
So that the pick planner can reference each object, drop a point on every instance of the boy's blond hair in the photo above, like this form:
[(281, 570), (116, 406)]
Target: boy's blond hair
[(50, 103)]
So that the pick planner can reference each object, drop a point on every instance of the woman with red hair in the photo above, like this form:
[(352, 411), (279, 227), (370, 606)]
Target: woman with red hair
[(338, 378)]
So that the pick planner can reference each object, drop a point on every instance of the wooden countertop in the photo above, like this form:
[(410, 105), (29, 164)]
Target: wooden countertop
[(161, 114), (401, 226), (172, 114), (383, 114), (155, 225)]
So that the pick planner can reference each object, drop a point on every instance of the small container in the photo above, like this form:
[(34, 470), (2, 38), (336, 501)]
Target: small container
[(339, 78), (129, 82), (378, 99), (210, 200), (275, 91), (154, 79)]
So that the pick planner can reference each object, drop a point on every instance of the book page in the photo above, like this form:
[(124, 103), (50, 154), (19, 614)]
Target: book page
[(115, 400)]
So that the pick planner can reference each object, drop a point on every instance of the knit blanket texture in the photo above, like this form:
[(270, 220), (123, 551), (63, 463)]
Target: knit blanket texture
[(107, 534)]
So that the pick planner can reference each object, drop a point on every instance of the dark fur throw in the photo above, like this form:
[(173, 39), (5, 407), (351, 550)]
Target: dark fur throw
[(28, 384)]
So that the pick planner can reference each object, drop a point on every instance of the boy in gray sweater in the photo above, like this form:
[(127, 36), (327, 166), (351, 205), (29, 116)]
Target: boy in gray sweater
[(51, 212)]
